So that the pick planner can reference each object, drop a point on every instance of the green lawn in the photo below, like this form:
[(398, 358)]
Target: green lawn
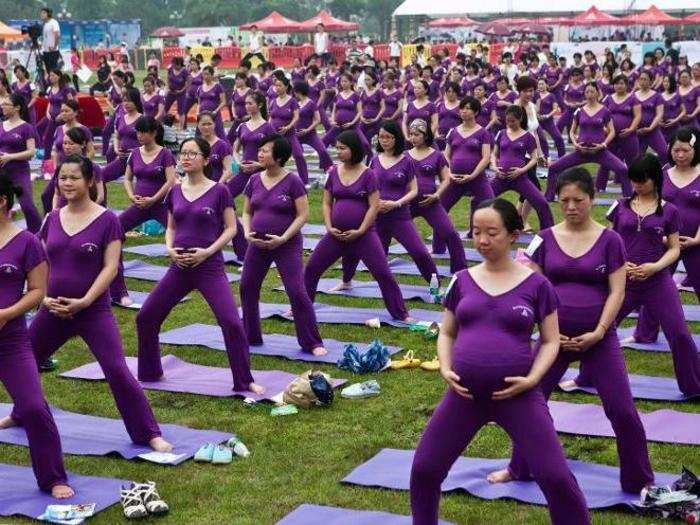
[(301, 459)]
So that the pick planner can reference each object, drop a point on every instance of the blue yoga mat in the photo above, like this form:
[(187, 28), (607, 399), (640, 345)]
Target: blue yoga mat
[(160, 250), (139, 298), (391, 469), (137, 269), (278, 345), (661, 345), (370, 289)]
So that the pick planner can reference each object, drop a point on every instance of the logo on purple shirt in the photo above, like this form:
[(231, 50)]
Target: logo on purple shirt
[(89, 247), (8, 268), (523, 310)]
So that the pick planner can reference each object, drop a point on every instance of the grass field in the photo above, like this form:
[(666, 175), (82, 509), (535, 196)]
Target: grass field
[(301, 459)]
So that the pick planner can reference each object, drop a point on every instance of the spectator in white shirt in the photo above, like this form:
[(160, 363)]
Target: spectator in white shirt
[(51, 37), (395, 48), (508, 69), (255, 44), (321, 44)]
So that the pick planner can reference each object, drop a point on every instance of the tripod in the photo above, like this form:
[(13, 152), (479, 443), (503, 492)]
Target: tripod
[(39, 70)]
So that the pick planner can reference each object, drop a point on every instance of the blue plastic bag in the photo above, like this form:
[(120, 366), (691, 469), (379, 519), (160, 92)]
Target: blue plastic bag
[(373, 360)]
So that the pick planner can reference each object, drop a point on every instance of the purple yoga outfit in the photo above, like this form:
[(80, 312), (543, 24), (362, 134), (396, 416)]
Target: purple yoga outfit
[(219, 151), (392, 102), (494, 99), (18, 371), (514, 153), (493, 342), (448, 118), (198, 224), (150, 106), (306, 117), (177, 80), (208, 99), (349, 207), (345, 112), (95, 324), (547, 124), (655, 139), (282, 115), (128, 141), (570, 94), (581, 284), (394, 182), (273, 211), (370, 109), (250, 142), (14, 140), (644, 242)]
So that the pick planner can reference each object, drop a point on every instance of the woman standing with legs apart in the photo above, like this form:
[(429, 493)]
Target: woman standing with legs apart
[(284, 115), (514, 155), (592, 132), (22, 261), (275, 209), (17, 146), (126, 138), (486, 360), (350, 207), (649, 130), (201, 221), (586, 264), (83, 235)]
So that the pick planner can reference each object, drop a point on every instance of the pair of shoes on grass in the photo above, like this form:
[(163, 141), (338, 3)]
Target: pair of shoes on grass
[(142, 499), (410, 361), (221, 454)]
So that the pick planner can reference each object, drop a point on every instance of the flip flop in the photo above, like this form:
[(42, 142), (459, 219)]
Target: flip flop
[(408, 361), (432, 365)]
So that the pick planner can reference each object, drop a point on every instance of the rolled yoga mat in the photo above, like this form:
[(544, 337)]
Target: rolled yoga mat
[(391, 469), (20, 496), (184, 377), (278, 345), (86, 435), (307, 514)]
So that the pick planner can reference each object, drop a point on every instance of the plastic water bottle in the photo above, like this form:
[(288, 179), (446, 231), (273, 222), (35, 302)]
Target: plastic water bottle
[(239, 447), (434, 288)]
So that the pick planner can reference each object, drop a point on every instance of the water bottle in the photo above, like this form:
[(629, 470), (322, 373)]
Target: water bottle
[(434, 288), (234, 167), (238, 447)]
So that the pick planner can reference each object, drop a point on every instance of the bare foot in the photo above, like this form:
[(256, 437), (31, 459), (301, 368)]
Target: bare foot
[(319, 351), (160, 445), (7, 422), (62, 492), (126, 301), (256, 389), (569, 384), (627, 340), (409, 319), (500, 476), (341, 286)]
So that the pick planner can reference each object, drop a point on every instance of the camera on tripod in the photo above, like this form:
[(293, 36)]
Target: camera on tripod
[(33, 31)]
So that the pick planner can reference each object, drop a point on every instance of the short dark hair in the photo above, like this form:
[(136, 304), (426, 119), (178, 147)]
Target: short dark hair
[(302, 88), (203, 145), (399, 142), (9, 190), (281, 149), (648, 167), (579, 177), (47, 10), (509, 214), (350, 139), (148, 124), (133, 95), (690, 136), (472, 102), (524, 83)]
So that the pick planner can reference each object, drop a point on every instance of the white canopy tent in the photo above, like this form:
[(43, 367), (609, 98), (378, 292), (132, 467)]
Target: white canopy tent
[(440, 8)]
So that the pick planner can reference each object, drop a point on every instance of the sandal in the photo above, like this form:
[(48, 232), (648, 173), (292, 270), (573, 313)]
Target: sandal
[(432, 365), (151, 499), (408, 361), (132, 504)]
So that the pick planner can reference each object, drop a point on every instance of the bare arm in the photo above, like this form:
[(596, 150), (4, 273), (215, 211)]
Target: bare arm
[(301, 204), (36, 289)]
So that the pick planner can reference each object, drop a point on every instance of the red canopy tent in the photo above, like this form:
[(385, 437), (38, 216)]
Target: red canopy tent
[(652, 17), (274, 23), (508, 21), (330, 23), (453, 22), (553, 21), (167, 32), (692, 19), (534, 29), (493, 29), (595, 17)]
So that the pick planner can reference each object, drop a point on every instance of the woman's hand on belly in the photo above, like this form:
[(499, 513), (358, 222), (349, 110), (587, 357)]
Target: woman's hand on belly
[(453, 380), (518, 385)]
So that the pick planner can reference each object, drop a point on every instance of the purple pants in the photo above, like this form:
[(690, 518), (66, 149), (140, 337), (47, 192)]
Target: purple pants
[(107, 133), (172, 98), (98, 328), (479, 189), (209, 278), (114, 169), (656, 141), (49, 133), (438, 219), (544, 145), (26, 202), (298, 156), (526, 419), (531, 193), (19, 374), (403, 230), (239, 243), (661, 304), (669, 132), (566, 118), (312, 139), (190, 102), (47, 195), (330, 249), (605, 365), (130, 218), (332, 134), (550, 127), (626, 149), (288, 260), (604, 158), (370, 130)]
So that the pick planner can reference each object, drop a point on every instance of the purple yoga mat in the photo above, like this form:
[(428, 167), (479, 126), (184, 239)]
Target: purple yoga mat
[(664, 426), (181, 376), (85, 435), (391, 469), (137, 269), (20, 496), (278, 345), (661, 345), (139, 298), (404, 267), (160, 250), (691, 312), (307, 514), (523, 238), (679, 278), (643, 387), (326, 313), (370, 289), (313, 229)]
